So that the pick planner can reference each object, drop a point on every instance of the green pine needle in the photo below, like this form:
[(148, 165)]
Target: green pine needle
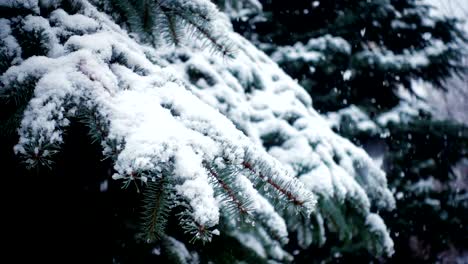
[(157, 206)]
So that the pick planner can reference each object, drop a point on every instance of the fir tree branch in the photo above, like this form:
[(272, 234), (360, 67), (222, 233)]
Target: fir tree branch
[(172, 30), (198, 231), (218, 43), (228, 191), (132, 15), (171, 18), (277, 186), (157, 206)]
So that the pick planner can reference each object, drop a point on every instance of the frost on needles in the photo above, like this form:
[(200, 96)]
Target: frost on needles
[(219, 142)]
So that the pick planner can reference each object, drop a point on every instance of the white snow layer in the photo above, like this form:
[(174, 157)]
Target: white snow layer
[(197, 108), (313, 51)]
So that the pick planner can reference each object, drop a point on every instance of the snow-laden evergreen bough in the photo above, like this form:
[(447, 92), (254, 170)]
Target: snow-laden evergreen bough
[(218, 141), (276, 113)]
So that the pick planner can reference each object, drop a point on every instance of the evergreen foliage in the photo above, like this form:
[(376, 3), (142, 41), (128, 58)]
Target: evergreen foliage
[(171, 21), (364, 63), (157, 206), (190, 137)]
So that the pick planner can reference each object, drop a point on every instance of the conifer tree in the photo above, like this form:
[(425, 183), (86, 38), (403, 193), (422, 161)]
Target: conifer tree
[(367, 66), (209, 139)]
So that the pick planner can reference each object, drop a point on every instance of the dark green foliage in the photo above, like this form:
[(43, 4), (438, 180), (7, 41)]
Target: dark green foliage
[(196, 74), (13, 102), (13, 9), (157, 205), (272, 139), (434, 147), (344, 225), (421, 164), (170, 21), (225, 249), (33, 43), (5, 58), (98, 128), (71, 6), (119, 58)]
